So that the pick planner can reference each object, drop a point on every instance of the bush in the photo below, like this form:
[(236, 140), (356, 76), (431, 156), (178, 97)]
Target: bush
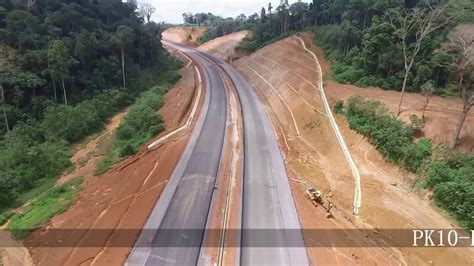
[(72, 123), (416, 124), (249, 44), (338, 107), (416, 153), (392, 137), (346, 74), (449, 174), (207, 36), (452, 180), (5, 216)]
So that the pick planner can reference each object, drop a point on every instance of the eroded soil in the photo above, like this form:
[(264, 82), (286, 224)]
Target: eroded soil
[(94, 229), (285, 77)]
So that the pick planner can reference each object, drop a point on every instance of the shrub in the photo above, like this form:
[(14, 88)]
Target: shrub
[(141, 123), (346, 74), (249, 44), (391, 136), (415, 153), (449, 174), (72, 123), (5, 216), (452, 179), (416, 124), (338, 107)]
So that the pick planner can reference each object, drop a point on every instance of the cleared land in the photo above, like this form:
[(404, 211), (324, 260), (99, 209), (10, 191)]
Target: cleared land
[(285, 77), (225, 47), (185, 35)]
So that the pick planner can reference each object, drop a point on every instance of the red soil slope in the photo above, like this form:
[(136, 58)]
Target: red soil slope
[(120, 199), (186, 35), (285, 77)]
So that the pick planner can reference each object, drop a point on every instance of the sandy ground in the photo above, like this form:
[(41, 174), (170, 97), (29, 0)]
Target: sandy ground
[(284, 76), (186, 35), (122, 198), (225, 47)]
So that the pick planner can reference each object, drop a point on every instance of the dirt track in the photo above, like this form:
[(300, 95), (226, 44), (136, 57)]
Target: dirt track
[(284, 76), (120, 199)]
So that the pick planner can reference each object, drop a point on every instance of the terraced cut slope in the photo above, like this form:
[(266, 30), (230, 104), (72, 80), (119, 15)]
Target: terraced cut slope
[(285, 76)]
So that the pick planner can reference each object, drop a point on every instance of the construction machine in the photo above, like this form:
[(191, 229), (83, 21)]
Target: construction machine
[(317, 198)]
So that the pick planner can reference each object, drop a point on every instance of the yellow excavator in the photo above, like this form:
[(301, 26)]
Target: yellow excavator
[(317, 198)]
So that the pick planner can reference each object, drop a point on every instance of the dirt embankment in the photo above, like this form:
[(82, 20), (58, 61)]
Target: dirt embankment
[(285, 77), (225, 47), (186, 35), (107, 217)]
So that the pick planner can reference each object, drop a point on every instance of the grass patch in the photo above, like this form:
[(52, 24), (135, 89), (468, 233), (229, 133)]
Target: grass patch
[(42, 186), (45, 207), (110, 159), (5, 215)]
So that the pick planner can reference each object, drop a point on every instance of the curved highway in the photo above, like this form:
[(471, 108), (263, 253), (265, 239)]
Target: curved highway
[(268, 209)]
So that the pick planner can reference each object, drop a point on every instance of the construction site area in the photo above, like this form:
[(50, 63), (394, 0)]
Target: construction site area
[(287, 77)]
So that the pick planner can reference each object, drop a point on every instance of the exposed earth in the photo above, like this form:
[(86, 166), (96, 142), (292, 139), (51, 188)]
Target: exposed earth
[(122, 198), (186, 35), (225, 47), (285, 77)]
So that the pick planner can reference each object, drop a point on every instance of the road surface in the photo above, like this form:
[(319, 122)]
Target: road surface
[(267, 202)]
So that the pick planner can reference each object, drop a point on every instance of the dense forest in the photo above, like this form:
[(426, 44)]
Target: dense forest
[(66, 67)]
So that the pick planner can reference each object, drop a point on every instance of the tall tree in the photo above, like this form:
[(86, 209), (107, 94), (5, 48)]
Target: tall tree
[(60, 61), (23, 26), (460, 48), (146, 10), (467, 96), (283, 13), (123, 37), (420, 22)]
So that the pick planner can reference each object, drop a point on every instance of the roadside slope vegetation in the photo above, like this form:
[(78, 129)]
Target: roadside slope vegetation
[(67, 68)]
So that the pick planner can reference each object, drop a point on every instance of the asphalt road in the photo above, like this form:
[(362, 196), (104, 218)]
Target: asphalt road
[(267, 199)]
